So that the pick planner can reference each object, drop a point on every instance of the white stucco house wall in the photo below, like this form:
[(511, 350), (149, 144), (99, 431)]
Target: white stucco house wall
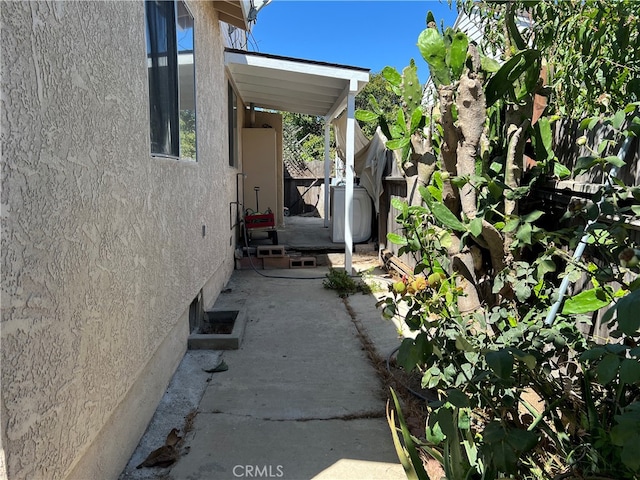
[(113, 239), (104, 245)]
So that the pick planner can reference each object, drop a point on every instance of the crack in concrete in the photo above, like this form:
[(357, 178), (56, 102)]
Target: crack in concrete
[(372, 414)]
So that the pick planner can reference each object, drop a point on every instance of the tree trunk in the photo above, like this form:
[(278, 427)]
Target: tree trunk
[(449, 146), (472, 112)]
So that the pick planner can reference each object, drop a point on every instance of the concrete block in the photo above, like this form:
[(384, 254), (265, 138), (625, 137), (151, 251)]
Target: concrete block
[(302, 262), (364, 247), (265, 251), (272, 263), (235, 320), (244, 263)]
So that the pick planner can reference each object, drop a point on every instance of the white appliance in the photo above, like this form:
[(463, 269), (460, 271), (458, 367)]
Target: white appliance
[(362, 214)]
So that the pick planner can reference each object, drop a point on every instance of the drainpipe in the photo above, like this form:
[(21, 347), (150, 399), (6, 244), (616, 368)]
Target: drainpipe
[(551, 316), (252, 115)]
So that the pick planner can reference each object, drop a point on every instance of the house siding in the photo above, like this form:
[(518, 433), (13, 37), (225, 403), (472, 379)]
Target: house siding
[(102, 245)]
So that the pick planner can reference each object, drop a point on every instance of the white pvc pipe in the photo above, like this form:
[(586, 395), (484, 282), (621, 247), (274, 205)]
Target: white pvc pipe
[(551, 316), (327, 170)]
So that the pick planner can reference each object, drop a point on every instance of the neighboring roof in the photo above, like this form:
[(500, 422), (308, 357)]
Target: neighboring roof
[(293, 85)]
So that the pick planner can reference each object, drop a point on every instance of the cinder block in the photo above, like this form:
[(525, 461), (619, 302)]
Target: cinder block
[(265, 251), (244, 263), (272, 263), (364, 247), (302, 262)]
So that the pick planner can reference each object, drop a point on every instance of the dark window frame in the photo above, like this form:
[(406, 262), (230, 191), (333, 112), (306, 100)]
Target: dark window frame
[(232, 100), (161, 23)]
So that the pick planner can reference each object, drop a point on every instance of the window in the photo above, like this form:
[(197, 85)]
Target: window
[(171, 67), (233, 126)]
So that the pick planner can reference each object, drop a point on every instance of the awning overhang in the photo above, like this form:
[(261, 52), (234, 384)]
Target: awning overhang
[(308, 87), (293, 85)]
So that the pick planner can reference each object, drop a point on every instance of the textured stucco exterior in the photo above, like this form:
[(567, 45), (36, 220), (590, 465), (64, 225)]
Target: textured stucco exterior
[(102, 245)]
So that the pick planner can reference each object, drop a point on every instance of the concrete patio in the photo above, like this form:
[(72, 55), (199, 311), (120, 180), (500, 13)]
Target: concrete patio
[(299, 400)]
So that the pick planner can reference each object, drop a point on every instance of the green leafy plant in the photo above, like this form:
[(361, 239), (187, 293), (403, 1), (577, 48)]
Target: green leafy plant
[(339, 280), (523, 392)]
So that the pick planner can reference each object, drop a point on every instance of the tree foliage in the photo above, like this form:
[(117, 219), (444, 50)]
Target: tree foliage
[(188, 134), (591, 48), (304, 134), (491, 328)]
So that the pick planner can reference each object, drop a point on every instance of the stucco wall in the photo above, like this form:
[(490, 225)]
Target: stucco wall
[(102, 245)]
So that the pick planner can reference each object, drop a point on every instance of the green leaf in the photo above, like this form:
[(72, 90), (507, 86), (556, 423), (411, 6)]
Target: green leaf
[(618, 119), (398, 143), (524, 233), (514, 33), (584, 124), (545, 266), (501, 362), (397, 239), (426, 194), (401, 122), (414, 469), (414, 352), (489, 65), (583, 164), (522, 290), (457, 53), (532, 216), (504, 445), (433, 432), (627, 309), (392, 76), (503, 80), (444, 417), (544, 137), (615, 161), (592, 354), (457, 398), (463, 344), (560, 170), (586, 301), (529, 360), (607, 369), (630, 371), (475, 227), (398, 204), (374, 105), (366, 116), (416, 118), (446, 217), (511, 225)]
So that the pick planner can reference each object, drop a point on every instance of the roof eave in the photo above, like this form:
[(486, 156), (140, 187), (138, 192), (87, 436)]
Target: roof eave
[(233, 12)]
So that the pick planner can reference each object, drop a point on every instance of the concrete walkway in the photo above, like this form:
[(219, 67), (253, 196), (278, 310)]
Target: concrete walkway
[(300, 399)]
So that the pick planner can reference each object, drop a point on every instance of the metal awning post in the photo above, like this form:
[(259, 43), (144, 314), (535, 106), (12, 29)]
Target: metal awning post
[(349, 167), (327, 169)]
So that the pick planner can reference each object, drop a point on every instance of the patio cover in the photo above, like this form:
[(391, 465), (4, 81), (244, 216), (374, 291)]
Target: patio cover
[(309, 87)]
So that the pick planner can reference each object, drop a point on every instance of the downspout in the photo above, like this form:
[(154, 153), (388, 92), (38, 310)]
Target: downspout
[(551, 316)]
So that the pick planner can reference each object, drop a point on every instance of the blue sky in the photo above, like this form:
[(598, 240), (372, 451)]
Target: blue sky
[(364, 33)]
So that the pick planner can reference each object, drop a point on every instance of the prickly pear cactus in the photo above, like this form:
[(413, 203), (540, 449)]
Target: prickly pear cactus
[(411, 88)]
